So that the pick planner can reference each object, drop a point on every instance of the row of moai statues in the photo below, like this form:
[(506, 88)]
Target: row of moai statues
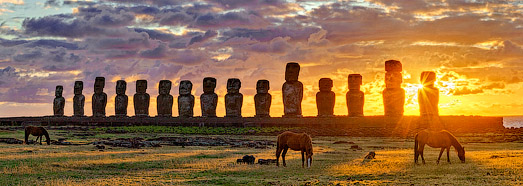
[(292, 90)]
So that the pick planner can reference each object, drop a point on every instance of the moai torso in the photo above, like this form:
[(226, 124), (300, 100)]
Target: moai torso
[(262, 99), (121, 100), (164, 101), (325, 99), (185, 100), (393, 95), (233, 98), (99, 100), (59, 101), (428, 95), (141, 99), (292, 91), (78, 99), (209, 99), (355, 97)]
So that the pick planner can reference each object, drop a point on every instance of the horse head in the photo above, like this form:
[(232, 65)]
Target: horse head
[(461, 154)]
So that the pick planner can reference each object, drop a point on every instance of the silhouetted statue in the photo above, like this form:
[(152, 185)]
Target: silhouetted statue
[(428, 95), (59, 101), (325, 98), (209, 99), (292, 91), (78, 99), (262, 99), (121, 101), (185, 100), (393, 95), (141, 99), (355, 97), (164, 101), (99, 97), (233, 98)]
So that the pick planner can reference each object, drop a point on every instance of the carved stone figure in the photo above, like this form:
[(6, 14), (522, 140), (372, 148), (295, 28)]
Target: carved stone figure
[(262, 99), (78, 99), (428, 95), (325, 98), (141, 99), (209, 99), (393, 95), (292, 91), (164, 101), (233, 98), (355, 97), (59, 101), (121, 101), (185, 100), (99, 97)]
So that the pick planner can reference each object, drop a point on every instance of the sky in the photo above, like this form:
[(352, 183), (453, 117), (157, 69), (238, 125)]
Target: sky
[(475, 47)]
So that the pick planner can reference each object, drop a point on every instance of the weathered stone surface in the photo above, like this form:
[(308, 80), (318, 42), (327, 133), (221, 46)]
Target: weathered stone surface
[(99, 99), (355, 97), (121, 101), (141, 99), (209, 99), (326, 98), (59, 101), (393, 66), (292, 91), (78, 99), (185, 100), (428, 95), (262, 99), (164, 101), (393, 95), (233, 98)]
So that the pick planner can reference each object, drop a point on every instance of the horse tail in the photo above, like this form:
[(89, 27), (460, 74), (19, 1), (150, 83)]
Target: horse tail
[(415, 146), (47, 138)]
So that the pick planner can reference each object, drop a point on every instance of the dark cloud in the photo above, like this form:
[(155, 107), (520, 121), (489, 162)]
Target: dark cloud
[(58, 26), (156, 53), (268, 34), (230, 19), (156, 34), (200, 38)]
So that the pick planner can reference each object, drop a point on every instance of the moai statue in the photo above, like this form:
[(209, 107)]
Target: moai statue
[(99, 97), (78, 99), (393, 95), (292, 91), (233, 98), (59, 101), (164, 101), (262, 99), (186, 100), (325, 98), (141, 99), (121, 100), (355, 97), (428, 95), (209, 99)]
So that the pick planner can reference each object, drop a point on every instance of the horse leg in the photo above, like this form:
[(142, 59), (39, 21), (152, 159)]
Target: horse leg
[(302, 159), (283, 155), (37, 139), (278, 152), (440, 152), (41, 139), (421, 148), (448, 159)]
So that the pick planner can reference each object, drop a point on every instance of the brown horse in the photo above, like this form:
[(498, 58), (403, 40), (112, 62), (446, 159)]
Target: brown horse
[(296, 141), (442, 139), (38, 132)]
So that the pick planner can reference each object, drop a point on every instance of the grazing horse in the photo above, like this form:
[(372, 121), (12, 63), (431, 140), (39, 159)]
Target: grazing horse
[(437, 139), (295, 141), (38, 132)]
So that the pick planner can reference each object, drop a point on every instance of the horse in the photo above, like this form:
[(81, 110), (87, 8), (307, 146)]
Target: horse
[(437, 139), (295, 141), (38, 132)]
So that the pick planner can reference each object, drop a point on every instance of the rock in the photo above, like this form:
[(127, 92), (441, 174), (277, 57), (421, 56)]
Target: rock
[(249, 159), (343, 142)]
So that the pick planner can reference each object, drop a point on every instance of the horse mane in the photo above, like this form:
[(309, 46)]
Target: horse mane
[(308, 140), (47, 138), (453, 140)]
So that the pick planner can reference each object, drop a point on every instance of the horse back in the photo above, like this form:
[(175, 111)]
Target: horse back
[(436, 139), (295, 141)]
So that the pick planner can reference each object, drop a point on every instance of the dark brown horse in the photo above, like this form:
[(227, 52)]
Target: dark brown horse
[(38, 132), (295, 141), (437, 139)]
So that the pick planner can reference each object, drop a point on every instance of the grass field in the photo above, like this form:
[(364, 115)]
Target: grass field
[(487, 164)]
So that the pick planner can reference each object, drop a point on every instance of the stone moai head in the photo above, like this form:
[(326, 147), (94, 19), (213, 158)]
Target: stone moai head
[(233, 85), (209, 84), (292, 71), (262, 86), (164, 87), (355, 81), (427, 78), (58, 91), (325, 84), (78, 87), (393, 66), (141, 86), (121, 86), (185, 87), (393, 79), (99, 84)]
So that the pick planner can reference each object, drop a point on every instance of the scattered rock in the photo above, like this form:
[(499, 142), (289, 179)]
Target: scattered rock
[(369, 157), (11, 141), (129, 143), (356, 147), (249, 159), (266, 161), (343, 142), (100, 146)]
